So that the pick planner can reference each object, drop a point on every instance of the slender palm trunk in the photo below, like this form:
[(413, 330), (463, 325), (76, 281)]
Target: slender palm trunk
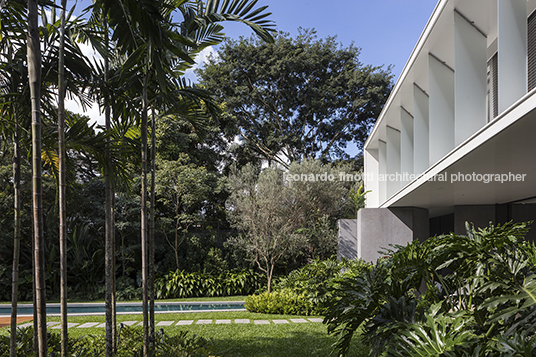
[(16, 238), (34, 72), (114, 306), (151, 227), (61, 184), (144, 231), (109, 227)]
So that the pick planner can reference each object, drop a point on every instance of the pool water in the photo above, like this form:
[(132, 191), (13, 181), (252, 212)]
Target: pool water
[(127, 308)]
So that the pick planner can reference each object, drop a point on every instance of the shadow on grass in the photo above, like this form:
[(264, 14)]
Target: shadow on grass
[(291, 343)]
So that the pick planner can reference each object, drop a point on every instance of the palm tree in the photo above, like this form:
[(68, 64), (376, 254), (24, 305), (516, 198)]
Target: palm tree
[(61, 183), (11, 80), (155, 48), (34, 74)]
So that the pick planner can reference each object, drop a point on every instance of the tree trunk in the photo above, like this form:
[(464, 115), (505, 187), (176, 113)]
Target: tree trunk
[(61, 184), (108, 245), (151, 227), (16, 238), (269, 273), (144, 231), (34, 73), (114, 286)]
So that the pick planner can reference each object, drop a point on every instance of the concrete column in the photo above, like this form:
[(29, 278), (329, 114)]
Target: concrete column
[(421, 144), (441, 106), (377, 228), (370, 178), (393, 161), (512, 51), (382, 154), (406, 145), (470, 78), (347, 243)]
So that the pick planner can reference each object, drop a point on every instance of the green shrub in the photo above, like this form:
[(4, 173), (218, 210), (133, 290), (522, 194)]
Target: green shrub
[(285, 301), (451, 295), (180, 284), (127, 289), (316, 280), (130, 344)]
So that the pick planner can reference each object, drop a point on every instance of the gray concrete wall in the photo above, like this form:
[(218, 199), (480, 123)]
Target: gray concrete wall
[(378, 228), (347, 243)]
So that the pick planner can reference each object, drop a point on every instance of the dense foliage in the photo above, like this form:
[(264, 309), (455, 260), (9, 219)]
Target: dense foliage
[(180, 284), (285, 301), (296, 98), (450, 295), (307, 290), (288, 214), (129, 344)]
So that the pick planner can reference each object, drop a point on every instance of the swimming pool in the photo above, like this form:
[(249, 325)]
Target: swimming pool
[(128, 308)]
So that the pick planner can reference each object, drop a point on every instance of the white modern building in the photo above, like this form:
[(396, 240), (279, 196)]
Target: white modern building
[(456, 140)]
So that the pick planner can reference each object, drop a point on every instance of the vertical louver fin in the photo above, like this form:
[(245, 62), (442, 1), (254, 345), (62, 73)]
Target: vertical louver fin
[(531, 51), (493, 88)]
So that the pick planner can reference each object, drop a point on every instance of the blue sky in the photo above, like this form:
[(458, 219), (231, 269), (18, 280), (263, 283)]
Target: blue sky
[(385, 30)]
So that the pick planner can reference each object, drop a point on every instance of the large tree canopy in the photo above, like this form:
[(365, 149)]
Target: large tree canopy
[(297, 98)]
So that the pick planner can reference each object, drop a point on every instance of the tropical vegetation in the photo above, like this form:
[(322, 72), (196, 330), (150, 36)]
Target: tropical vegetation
[(451, 295), (145, 199)]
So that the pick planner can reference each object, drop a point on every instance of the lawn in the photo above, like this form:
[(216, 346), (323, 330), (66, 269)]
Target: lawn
[(292, 339)]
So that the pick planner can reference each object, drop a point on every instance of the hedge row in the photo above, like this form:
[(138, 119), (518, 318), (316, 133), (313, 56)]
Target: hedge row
[(180, 284)]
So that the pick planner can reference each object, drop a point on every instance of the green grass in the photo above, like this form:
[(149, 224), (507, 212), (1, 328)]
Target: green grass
[(293, 339)]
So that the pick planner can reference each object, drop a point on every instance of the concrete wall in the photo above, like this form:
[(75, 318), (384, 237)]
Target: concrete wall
[(347, 243), (378, 228)]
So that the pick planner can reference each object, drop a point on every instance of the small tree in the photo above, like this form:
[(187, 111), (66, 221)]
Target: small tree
[(260, 206), (182, 187)]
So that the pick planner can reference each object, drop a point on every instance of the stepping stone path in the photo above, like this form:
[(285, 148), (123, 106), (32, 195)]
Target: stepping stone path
[(165, 323), (185, 322), (56, 325), (299, 321), (261, 322), (69, 325), (129, 323), (204, 322)]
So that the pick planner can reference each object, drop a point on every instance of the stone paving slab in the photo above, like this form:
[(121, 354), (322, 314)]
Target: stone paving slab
[(241, 321), (280, 321), (56, 325), (28, 324), (129, 323), (220, 322), (165, 323), (203, 322), (69, 325), (185, 322)]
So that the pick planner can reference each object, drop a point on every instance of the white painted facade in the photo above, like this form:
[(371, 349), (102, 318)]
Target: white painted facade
[(462, 106)]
